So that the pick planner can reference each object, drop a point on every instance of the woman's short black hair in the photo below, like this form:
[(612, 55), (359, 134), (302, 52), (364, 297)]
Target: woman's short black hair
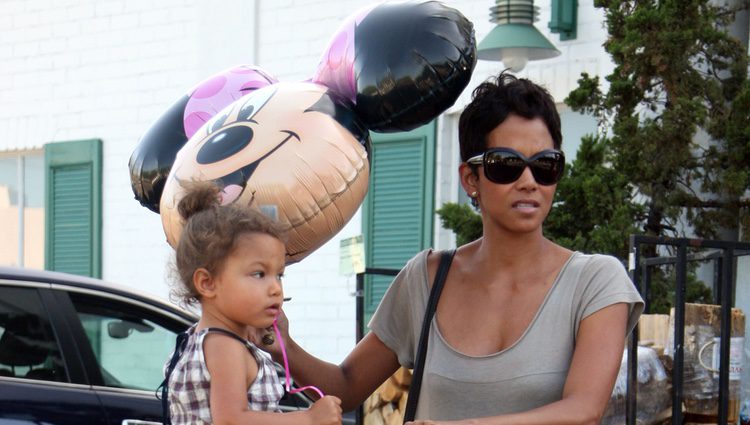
[(492, 102)]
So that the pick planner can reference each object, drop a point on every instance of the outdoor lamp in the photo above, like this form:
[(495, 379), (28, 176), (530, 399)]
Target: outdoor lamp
[(515, 40)]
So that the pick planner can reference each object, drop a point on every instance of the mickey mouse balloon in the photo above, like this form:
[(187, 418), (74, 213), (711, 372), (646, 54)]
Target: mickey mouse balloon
[(400, 63), (291, 150), (152, 159)]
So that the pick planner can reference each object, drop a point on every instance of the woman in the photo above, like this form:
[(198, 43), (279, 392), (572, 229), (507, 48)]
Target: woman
[(526, 331)]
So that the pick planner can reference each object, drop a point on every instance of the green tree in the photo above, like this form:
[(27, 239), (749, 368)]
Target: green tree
[(679, 79), (465, 223), (593, 210)]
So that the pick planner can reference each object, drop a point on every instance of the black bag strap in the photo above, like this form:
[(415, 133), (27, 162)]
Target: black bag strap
[(416, 381), (179, 348)]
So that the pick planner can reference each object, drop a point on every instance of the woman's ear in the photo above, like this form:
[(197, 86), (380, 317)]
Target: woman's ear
[(469, 178), (204, 283)]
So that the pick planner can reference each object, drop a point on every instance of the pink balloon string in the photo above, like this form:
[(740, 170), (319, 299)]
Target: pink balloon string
[(286, 366)]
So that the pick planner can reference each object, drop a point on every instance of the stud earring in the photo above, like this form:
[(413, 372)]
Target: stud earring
[(474, 196)]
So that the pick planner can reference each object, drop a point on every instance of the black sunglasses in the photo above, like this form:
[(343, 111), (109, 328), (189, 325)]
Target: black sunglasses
[(505, 165)]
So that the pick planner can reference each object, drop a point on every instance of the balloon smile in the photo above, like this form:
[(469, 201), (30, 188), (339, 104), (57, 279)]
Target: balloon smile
[(234, 183)]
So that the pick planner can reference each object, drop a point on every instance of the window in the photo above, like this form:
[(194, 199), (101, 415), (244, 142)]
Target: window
[(28, 348), (73, 221), (130, 344), (22, 209), (574, 126)]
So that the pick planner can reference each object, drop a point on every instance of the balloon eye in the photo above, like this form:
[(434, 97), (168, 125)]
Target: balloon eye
[(255, 102), (217, 123), (224, 144), (246, 112)]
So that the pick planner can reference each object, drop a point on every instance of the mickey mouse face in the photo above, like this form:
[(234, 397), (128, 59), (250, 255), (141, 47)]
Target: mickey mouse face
[(282, 150)]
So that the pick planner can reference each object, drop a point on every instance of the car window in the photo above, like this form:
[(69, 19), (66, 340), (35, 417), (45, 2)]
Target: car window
[(28, 347), (131, 344)]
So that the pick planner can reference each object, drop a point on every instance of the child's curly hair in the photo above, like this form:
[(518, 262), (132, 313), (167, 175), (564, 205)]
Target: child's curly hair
[(209, 234)]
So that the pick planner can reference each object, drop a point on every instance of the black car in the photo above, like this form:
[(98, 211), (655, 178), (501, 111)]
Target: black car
[(76, 350)]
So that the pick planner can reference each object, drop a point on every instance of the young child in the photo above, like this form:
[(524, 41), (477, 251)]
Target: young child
[(231, 261)]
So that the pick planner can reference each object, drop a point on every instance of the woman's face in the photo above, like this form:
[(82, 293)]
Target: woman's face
[(520, 206)]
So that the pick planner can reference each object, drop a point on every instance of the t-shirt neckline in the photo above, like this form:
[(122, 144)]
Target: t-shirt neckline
[(538, 313)]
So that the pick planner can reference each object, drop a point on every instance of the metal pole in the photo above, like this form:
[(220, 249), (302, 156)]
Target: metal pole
[(631, 389), (679, 334), (726, 334), (21, 207), (359, 413)]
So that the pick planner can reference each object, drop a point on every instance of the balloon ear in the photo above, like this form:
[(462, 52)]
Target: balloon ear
[(152, 159), (401, 63)]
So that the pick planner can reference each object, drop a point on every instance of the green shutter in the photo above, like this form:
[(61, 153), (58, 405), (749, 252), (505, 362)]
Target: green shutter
[(564, 18), (398, 211), (73, 210)]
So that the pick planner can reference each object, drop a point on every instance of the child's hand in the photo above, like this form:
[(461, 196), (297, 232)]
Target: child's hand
[(326, 411)]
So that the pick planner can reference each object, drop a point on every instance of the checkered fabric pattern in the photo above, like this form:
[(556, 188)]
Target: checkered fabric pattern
[(190, 382)]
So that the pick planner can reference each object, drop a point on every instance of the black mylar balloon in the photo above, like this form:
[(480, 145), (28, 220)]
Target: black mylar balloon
[(401, 63)]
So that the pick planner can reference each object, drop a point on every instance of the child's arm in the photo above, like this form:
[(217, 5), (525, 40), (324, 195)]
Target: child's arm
[(232, 370)]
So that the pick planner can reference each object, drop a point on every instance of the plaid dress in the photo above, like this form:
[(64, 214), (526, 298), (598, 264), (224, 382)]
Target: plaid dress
[(189, 383)]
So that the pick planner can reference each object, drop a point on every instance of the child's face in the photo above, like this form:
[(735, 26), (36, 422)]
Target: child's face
[(248, 287)]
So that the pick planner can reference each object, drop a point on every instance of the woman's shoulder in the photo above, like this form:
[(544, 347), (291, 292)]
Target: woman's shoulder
[(431, 261), (602, 271), (413, 272), (419, 262), (594, 262)]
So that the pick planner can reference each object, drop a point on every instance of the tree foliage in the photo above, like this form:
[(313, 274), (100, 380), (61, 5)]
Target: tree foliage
[(465, 223), (677, 111), (593, 210)]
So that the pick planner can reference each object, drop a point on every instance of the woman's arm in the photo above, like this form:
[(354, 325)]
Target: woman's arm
[(364, 369), (588, 387)]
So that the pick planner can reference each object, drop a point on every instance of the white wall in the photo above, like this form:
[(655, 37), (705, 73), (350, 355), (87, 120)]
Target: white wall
[(80, 69)]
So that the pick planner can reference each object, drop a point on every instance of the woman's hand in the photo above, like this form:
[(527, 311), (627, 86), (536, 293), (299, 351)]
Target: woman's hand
[(326, 411), (266, 339)]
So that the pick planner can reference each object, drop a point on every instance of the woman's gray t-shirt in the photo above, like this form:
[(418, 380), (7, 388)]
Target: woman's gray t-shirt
[(528, 374)]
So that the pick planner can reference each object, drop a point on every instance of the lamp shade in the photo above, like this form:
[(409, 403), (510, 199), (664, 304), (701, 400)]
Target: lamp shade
[(515, 40), (516, 36)]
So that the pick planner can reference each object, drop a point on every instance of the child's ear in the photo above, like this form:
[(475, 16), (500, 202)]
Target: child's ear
[(204, 284)]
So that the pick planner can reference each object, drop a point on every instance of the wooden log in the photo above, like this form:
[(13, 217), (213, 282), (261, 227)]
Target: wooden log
[(374, 418), (386, 410), (389, 399), (402, 377), (653, 331), (390, 391), (373, 402), (402, 403), (395, 418)]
